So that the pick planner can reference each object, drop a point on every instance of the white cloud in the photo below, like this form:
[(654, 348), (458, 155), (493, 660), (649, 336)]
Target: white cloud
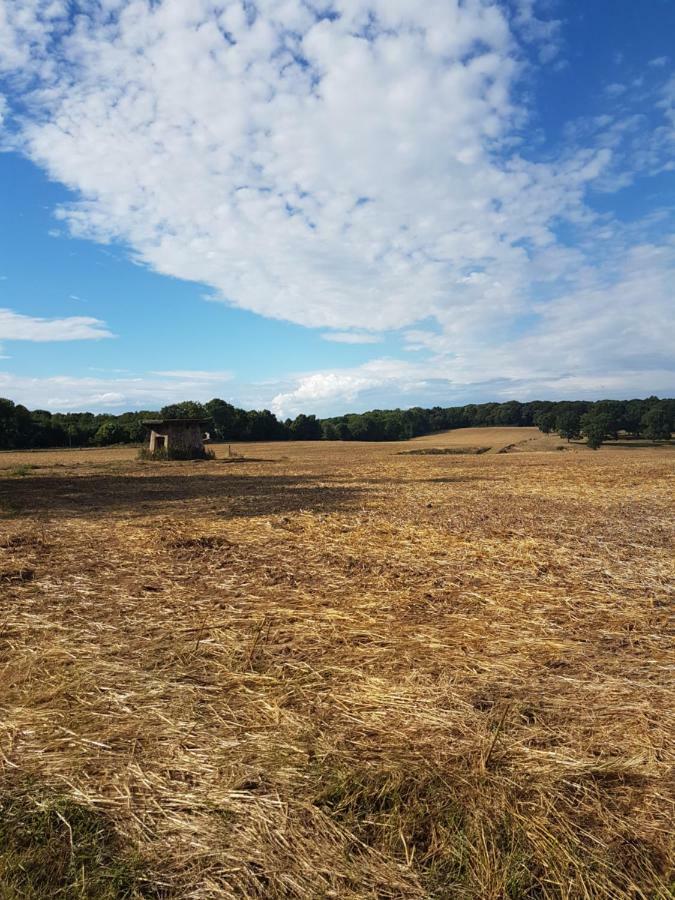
[(318, 391), (17, 327), (195, 375), (611, 337), (659, 62), (114, 392), (359, 172), (351, 337), (342, 173)]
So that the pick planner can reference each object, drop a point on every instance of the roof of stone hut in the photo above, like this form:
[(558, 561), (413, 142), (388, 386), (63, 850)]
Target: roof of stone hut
[(153, 423)]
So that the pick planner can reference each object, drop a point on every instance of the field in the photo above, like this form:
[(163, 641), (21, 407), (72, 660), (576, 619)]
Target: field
[(338, 671)]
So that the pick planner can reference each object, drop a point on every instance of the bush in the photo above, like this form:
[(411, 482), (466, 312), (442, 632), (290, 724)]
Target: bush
[(176, 454)]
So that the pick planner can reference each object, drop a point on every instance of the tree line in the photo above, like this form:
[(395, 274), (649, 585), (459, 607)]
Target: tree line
[(596, 421)]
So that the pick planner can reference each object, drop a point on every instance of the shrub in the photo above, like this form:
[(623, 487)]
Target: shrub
[(176, 454)]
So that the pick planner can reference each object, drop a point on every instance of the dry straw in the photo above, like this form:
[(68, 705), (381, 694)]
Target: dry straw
[(338, 672)]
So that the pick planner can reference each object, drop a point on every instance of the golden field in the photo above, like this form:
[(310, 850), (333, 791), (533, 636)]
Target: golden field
[(325, 670)]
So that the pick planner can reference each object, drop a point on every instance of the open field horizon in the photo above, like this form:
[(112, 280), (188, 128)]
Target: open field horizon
[(331, 670), (492, 439)]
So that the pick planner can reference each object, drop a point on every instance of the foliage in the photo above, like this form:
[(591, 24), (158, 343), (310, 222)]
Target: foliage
[(21, 429), (111, 432), (176, 454), (657, 423), (188, 409), (305, 428), (568, 424), (545, 421), (595, 426)]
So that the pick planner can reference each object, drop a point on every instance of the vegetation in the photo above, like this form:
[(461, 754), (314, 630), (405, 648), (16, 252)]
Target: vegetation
[(176, 453), (338, 672), (53, 846), (652, 419)]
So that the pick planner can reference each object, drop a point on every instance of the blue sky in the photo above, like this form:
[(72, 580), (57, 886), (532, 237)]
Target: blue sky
[(327, 206)]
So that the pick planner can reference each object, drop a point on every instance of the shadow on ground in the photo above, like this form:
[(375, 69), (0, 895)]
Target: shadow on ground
[(234, 495)]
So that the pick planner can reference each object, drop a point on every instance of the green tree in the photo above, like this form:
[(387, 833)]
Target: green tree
[(111, 432), (656, 423), (229, 422), (568, 425), (263, 425), (632, 417), (545, 421), (187, 409), (509, 413), (306, 428), (613, 411), (595, 427), (7, 424)]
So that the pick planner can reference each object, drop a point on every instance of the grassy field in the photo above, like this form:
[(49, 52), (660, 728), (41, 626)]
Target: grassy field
[(338, 671)]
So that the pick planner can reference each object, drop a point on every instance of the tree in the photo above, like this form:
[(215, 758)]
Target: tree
[(545, 421), (229, 422), (613, 411), (656, 423), (595, 427), (188, 409), (306, 428), (7, 425), (632, 417), (111, 433), (509, 413), (568, 425)]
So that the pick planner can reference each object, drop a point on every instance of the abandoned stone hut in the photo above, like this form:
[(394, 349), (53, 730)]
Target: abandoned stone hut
[(177, 438)]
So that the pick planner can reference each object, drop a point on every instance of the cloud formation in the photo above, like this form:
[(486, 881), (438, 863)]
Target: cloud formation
[(355, 165), (17, 327), (335, 165), (351, 337), (109, 392)]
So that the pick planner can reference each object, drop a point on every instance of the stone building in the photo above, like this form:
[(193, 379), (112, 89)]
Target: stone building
[(177, 438)]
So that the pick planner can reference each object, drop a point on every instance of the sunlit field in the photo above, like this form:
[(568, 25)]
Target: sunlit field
[(338, 670)]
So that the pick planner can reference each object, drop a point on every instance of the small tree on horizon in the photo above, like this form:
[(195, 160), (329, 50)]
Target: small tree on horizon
[(187, 409), (656, 423), (568, 425), (545, 421), (111, 433), (595, 427)]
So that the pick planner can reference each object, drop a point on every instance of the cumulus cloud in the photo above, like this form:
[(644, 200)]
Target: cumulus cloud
[(345, 170), (610, 336), (195, 375), (351, 337), (318, 391), (17, 327), (355, 165)]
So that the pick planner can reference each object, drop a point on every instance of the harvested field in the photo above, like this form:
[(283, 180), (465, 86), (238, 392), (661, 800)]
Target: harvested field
[(335, 671)]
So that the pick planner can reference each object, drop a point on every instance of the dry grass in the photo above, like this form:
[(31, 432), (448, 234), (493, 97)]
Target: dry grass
[(338, 672)]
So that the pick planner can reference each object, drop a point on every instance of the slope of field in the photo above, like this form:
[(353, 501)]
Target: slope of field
[(333, 671), (494, 439)]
